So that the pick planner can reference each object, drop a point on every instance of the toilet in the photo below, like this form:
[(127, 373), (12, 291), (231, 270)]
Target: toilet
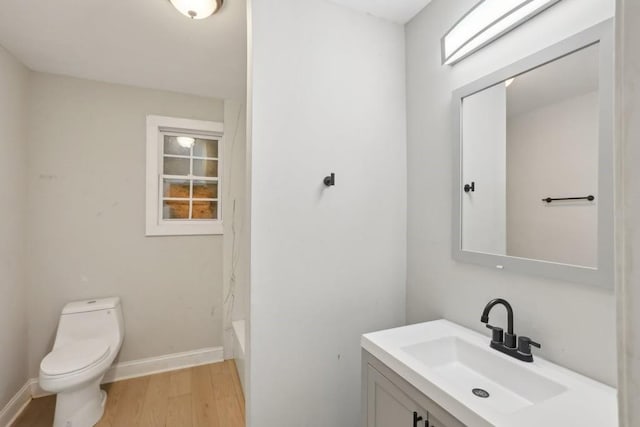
[(89, 336)]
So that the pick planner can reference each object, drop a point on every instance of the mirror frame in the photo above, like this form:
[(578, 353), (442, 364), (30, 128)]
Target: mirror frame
[(603, 275)]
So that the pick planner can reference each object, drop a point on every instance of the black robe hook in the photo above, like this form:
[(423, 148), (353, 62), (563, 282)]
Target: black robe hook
[(330, 180)]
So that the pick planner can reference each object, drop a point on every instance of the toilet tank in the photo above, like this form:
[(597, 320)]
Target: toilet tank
[(93, 318)]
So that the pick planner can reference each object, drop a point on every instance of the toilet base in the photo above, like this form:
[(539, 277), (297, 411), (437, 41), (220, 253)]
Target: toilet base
[(82, 407)]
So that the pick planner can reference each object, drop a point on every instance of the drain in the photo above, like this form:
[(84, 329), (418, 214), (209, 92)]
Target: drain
[(480, 393)]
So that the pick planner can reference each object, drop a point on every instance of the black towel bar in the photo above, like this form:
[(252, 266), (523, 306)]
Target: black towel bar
[(589, 198)]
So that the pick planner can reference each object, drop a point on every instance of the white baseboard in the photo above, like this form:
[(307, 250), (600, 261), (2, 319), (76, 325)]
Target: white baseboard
[(169, 362), (16, 405), (152, 365)]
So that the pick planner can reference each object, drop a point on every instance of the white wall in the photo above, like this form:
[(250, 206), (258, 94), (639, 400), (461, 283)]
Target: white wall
[(13, 166), (235, 257), (437, 286), (86, 239), (628, 71), (327, 264), (553, 152), (484, 211)]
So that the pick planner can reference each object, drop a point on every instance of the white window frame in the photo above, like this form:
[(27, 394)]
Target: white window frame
[(155, 224)]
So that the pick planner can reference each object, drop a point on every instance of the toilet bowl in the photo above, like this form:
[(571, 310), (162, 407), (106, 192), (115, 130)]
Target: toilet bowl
[(89, 336)]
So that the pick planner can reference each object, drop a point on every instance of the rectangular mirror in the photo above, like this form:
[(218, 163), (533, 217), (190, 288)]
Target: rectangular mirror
[(534, 157)]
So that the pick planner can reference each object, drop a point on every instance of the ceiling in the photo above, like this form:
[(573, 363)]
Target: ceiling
[(573, 75), (144, 43), (399, 11), (147, 43)]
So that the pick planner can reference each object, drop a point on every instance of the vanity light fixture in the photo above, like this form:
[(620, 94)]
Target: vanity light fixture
[(485, 22), (186, 141), (197, 9)]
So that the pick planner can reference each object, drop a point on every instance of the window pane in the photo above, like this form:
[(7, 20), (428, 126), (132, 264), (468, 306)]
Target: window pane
[(176, 188), (205, 148), (205, 190), (173, 166), (205, 210), (173, 209), (172, 146), (208, 168)]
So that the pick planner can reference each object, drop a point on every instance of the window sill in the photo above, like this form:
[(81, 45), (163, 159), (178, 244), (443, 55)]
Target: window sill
[(157, 230)]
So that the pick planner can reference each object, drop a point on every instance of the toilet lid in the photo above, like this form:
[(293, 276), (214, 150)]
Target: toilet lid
[(74, 357)]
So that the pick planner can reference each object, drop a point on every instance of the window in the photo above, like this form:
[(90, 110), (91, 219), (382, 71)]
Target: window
[(184, 176)]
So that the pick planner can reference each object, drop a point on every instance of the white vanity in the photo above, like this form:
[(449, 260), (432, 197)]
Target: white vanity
[(439, 374)]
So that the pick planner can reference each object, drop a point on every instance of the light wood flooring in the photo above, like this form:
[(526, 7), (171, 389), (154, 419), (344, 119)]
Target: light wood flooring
[(208, 395)]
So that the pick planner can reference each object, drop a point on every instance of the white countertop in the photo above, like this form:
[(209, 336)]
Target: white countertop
[(585, 402)]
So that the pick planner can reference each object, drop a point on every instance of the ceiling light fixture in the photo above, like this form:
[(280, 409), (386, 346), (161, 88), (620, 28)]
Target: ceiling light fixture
[(486, 22), (186, 141), (197, 9)]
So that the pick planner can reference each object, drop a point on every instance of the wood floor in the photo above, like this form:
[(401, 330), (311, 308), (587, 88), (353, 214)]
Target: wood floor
[(208, 395)]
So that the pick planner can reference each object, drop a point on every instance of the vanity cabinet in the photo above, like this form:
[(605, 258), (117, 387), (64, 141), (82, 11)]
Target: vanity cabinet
[(389, 401)]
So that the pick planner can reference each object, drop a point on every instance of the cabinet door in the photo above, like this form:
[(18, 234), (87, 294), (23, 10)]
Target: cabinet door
[(388, 406), (434, 422)]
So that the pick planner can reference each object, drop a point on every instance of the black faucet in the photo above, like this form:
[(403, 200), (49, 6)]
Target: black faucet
[(506, 343)]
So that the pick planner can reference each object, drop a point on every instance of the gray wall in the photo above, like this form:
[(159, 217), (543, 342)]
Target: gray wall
[(327, 264), (13, 167), (548, 154), (86, 216), (575, 324), (628, 24)]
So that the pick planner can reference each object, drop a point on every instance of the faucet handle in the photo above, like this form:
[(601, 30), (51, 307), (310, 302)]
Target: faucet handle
[(525, 343), (496, 334)]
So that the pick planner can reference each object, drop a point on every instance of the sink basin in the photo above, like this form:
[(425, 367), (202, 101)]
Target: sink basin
[(456, 369), (467, 367)]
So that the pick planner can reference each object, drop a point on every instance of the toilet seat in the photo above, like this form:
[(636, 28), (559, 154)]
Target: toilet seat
[(75, 356)]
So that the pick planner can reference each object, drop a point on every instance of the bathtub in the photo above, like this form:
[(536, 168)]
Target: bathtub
[(238, 348)]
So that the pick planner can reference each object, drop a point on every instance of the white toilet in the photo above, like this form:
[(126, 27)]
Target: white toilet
[(89, 337)]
